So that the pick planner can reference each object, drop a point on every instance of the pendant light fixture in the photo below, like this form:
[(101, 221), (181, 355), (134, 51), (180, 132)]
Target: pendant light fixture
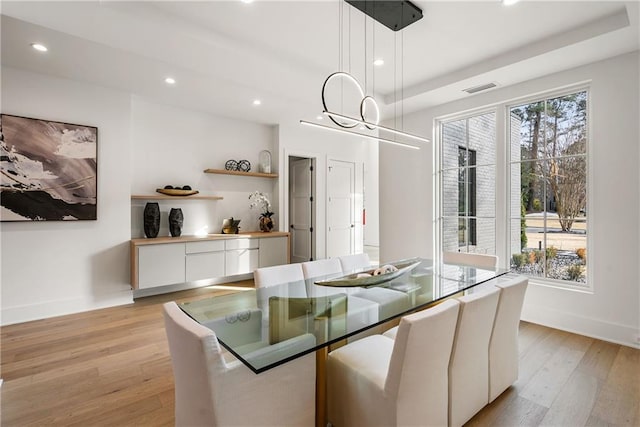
[(395, 15)]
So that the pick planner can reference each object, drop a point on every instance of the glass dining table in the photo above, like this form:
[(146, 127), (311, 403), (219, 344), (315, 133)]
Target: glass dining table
[(267, 327)]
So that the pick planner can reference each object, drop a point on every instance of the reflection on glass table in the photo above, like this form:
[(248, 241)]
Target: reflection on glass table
[(269, 326)]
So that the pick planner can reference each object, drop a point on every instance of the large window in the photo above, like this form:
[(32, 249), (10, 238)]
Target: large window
[(548, 145), (540, 167), (468, 191)]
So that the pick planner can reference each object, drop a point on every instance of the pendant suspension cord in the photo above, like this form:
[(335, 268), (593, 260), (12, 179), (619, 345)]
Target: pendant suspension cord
[(339, 36), (395, 82), (366, 88), (341, 50), (349, 26), (373, 49), (402, 76)]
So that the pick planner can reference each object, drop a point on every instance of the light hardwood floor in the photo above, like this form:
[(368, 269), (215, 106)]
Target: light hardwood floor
[(112, 367)]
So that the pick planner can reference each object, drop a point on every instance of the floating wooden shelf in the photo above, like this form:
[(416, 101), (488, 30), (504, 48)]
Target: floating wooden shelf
[(164, 197), (226, 172)]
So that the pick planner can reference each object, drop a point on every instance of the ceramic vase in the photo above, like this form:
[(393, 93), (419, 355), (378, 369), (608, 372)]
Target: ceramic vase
[(175, 222), (266, 223), (151, 218)]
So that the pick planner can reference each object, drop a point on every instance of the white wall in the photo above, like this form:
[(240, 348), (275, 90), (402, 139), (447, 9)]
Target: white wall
[(53, 268), (612, 310), (173, 146), (297, 140)]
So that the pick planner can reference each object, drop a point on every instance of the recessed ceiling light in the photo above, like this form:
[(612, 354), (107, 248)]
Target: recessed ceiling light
[(246, 1), (257, 102), (378, 62), (39, 47), (509, 2), (170, 81), (319, 117)]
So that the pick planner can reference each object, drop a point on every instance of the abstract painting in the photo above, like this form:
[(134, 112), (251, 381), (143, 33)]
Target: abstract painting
[(49, 170)]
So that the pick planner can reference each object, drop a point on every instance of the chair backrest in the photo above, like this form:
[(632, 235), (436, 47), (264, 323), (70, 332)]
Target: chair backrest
[(321, 267), (469, 366), (195, 356), (417, 375), (475, 260), (354, 262), (503, 347), (277, 274)]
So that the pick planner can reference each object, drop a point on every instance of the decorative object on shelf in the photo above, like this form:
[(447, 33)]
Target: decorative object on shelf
[(244, 165), (151, 217), (49, 170), (176, 219), (266, 223), (264, 160), (238, 165), (170, 190), (230, 226), (259, 199)]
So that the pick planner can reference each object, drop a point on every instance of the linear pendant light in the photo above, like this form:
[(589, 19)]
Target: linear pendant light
[(376, 126), (358, 134), (346, 123)]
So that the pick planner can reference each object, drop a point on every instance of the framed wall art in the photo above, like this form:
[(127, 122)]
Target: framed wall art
[(49, 170)]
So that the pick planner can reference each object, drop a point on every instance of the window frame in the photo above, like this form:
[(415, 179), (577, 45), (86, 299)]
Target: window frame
[(586, 287), (438, 176), (502, 109)]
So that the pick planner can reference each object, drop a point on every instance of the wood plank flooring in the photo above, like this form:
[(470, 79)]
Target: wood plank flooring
[(112, 367)]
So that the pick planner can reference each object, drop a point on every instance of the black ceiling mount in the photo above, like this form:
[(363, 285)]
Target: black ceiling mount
[(393, 14)]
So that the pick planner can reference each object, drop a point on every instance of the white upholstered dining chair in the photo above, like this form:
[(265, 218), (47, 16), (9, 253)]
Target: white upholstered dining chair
[(277, 274), (354, 262), (361, 312), (471, 259), (377, 381), (503, 346), (469, 366), (212, 392), (321, 267)]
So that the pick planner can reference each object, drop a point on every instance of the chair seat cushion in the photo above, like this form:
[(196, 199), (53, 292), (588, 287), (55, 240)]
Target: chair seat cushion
[(391, 302), (374, 367), (391, 333)]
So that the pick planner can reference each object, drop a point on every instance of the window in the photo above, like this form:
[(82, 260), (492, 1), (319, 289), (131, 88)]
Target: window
[(468, 172), (542, 175), (467, 192), (548, 161)]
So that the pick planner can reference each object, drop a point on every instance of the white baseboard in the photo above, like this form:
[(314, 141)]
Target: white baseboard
[(47, 309), (593, 328)]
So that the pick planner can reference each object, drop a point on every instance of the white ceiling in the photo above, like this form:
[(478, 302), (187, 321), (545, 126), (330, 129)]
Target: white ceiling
[(224, 54)]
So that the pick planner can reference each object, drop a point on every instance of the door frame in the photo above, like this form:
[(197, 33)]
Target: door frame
[(288, 154)]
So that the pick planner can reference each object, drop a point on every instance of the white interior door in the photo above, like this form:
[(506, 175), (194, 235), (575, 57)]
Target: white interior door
[(301, 209), (340, 208)]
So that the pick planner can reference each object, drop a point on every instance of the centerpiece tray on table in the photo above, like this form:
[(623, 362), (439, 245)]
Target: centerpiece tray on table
[(374, 276)]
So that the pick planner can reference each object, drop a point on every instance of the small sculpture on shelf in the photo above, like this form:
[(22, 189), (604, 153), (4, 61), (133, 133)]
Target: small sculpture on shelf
[(231, 165), (265, 161), (230, 226), (244, 165), (265, 221), (238, 165)]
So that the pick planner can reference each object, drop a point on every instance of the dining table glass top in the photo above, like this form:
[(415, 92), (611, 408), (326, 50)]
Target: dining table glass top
[(265, 327)]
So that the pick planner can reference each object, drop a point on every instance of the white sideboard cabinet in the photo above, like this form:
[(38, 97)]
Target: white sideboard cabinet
[(165, 261)]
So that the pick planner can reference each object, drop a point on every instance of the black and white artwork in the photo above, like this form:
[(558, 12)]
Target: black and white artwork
[(49, 170)]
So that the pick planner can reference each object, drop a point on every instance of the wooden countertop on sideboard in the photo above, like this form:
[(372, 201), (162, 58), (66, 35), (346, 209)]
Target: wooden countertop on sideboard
[(169, 239)]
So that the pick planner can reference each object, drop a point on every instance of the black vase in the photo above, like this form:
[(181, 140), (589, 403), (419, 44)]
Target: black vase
[(175, 222), (151, 219)]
